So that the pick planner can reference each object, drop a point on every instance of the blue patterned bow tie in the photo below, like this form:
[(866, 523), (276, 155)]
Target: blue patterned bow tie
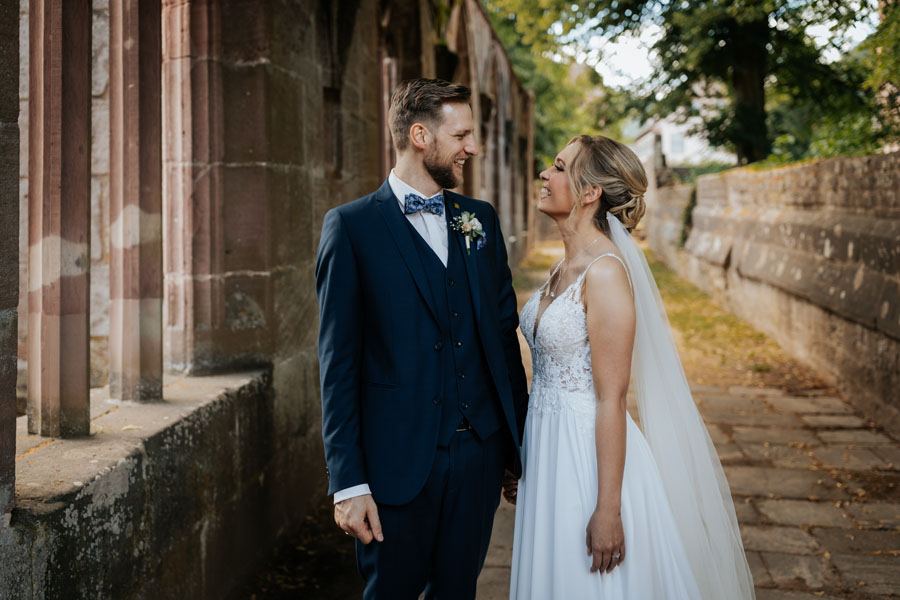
[(414, 203)]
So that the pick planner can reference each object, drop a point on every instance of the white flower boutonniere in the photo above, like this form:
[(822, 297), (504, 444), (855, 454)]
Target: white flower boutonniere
[(469, 225)]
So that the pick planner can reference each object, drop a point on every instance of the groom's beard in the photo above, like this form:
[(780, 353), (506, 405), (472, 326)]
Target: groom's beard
[(441, 172)]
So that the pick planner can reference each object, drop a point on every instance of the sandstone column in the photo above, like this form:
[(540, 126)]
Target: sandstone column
[(135, 215), (9, 247), (59, 217), (217, 173)]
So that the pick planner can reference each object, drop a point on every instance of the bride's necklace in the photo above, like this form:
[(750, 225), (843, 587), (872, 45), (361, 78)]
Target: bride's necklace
[(565, 265)]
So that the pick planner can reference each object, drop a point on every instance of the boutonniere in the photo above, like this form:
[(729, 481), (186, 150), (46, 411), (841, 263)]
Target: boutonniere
[(469, 225)]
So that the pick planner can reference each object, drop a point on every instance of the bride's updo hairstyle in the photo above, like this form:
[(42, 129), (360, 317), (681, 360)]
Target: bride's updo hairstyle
[(617, 170)]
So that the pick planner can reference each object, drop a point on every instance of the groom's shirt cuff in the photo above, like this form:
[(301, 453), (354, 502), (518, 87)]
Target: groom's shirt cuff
[(352, 492)]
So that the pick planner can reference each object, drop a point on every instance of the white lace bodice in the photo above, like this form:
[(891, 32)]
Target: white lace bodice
[(560, 351)]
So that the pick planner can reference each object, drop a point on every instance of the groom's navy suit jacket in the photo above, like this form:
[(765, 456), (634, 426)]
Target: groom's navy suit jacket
[(378, 335)]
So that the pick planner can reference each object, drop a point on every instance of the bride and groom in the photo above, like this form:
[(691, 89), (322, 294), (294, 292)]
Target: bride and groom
[(426, 414)]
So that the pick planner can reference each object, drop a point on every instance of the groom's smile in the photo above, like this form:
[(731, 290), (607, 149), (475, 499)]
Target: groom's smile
[(452, 144)]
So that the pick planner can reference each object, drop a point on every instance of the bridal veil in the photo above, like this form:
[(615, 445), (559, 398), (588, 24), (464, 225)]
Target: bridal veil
[(692, 475)]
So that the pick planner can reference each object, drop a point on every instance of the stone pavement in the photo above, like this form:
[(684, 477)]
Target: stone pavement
[(816, 488)]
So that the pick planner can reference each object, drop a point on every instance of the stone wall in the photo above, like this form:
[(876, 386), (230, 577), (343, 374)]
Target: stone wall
[(99, 193), (272, 115), (9, 240), (810, 255)]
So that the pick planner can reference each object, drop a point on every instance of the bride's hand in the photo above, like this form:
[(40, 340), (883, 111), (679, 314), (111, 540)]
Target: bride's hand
[(605, 540)]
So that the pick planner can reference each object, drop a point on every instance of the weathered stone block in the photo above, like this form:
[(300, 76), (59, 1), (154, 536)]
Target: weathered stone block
[(791, 540), (787, 483), (786, 569), (805, 512), (99, 51), (99, 136), (854, 459), (856, 437), (245, 106), (876, 514), (772, 435), (9, 209), (871, 574)]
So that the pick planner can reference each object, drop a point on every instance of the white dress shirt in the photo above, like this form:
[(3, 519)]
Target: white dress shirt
[(433, 229)]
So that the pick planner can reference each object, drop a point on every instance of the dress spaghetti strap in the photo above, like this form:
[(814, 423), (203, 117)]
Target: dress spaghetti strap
[(627, 274)]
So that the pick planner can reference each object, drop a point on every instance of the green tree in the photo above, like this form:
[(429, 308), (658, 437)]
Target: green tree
[(568, 100), (737, 52)]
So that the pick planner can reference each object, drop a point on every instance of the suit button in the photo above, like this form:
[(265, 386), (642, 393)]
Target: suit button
[(458, 344), (450, 282), (454, 314), (436, 400), (464, 406), (461, 375), (438, 346)]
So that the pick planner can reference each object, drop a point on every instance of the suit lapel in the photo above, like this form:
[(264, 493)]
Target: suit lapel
[(397, 224), (454, 209)]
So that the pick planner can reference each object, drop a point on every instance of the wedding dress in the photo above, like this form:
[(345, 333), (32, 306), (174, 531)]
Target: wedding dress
[(681, 534)]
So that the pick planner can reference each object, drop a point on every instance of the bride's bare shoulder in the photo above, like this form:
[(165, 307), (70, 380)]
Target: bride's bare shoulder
[(606, 278)]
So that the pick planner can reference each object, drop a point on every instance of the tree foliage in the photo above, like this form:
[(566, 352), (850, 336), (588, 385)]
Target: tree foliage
[(730, 62), (568, 101)]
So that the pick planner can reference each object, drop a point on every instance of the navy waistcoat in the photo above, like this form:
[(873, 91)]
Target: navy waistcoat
[(468, 390)]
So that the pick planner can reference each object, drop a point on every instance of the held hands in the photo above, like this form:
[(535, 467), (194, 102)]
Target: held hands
[(510, 487), (359, 517), (605, 540)]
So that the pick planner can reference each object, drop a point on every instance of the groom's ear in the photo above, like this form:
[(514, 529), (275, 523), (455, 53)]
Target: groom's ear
[(419, 136)]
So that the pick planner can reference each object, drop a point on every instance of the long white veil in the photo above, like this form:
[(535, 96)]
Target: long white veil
[(691, 472)]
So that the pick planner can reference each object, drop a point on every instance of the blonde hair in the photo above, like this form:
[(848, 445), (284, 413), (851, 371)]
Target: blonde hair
[(617, 170)]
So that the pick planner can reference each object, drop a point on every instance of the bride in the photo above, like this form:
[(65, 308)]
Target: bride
[(605, 509)]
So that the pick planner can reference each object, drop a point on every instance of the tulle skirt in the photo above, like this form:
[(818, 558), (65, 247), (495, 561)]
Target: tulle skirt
[(557, 495)]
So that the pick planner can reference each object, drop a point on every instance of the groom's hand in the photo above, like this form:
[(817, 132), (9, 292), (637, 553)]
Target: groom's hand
[(510, 487), (359, 517)]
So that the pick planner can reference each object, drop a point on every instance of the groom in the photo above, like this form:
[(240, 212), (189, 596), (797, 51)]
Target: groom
[(423, 389)]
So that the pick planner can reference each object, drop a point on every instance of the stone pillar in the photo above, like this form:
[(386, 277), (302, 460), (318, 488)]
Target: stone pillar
[(216, 176), (9, 248), (135, 215), (59, 217)]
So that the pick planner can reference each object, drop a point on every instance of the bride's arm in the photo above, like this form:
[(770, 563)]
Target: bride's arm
[(610, 324)]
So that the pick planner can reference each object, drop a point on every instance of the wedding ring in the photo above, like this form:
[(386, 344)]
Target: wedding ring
[(616, 556)]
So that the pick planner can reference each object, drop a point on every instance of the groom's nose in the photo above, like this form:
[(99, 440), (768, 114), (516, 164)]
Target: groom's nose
[(472, 147)]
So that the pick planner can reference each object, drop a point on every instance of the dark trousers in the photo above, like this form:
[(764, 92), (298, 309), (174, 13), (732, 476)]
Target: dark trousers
[(438, 541)]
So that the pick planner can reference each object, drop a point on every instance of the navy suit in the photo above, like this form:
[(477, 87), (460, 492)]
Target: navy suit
[(407, 348)]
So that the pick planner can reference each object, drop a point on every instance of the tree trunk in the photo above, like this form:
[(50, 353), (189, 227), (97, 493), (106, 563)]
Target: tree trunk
[(749, 132)]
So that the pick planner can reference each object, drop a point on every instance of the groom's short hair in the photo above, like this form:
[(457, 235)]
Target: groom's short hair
[(420, 101)]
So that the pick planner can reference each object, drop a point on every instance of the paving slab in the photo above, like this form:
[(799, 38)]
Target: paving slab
[(791, 540), (841, 421), (792, 569), (890, 454), (805, 512), (873, 515), (766, 419), (758, 569), (788, 457), (740, 390), (787, 483), (774, 435), (871, 574), (730, 402), (745, 511), (773, 594), (853, 459), (855, 437), (815, 404), (860, 541), (717, 435), (729, 453)]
